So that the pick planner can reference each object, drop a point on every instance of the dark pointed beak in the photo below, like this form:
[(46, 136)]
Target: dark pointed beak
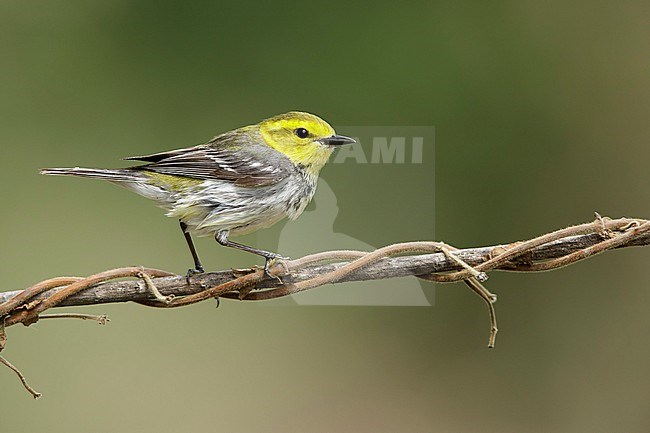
[(337, 140)]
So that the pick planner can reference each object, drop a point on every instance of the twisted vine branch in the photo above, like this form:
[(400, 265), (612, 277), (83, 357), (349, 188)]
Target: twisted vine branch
[(434, 261)]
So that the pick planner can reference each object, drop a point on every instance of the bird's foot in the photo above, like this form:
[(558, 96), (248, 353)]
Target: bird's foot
[(192, 272), (273, 260)]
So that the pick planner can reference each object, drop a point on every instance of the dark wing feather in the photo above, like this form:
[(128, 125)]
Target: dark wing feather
[(232, 157), (155, 157)]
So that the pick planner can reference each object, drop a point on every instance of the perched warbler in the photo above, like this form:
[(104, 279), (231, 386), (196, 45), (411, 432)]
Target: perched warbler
[(238, 182)]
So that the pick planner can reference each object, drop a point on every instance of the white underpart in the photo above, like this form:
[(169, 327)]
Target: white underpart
[(220, 205)]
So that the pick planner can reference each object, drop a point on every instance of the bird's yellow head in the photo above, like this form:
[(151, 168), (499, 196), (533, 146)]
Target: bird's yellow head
[(304, 138)]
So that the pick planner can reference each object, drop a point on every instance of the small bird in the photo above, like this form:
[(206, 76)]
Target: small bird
[(238, 182)]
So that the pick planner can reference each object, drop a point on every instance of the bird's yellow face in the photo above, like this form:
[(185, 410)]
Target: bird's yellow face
[(304, 138)]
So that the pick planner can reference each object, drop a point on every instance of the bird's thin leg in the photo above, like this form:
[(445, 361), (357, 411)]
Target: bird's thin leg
[(222, 238), (198, 268)]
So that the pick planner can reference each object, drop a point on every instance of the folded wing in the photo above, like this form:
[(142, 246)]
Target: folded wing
[(228, 157)]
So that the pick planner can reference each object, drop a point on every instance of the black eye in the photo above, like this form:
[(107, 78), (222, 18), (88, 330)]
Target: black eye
[(301, 132)]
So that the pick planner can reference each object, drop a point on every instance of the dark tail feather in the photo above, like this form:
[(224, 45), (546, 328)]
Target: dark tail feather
[(97, 173)]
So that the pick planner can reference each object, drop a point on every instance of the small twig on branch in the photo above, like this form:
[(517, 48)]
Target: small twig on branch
[(31, 390), (101, 319), (434, 261)]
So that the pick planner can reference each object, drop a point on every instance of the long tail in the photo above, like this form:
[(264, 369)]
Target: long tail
[(97, 173)]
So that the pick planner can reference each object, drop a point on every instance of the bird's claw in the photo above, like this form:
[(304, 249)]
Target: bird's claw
[(191, 273), (271, 261)]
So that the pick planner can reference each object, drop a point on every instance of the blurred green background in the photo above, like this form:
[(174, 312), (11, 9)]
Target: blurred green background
[(541, 116)]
